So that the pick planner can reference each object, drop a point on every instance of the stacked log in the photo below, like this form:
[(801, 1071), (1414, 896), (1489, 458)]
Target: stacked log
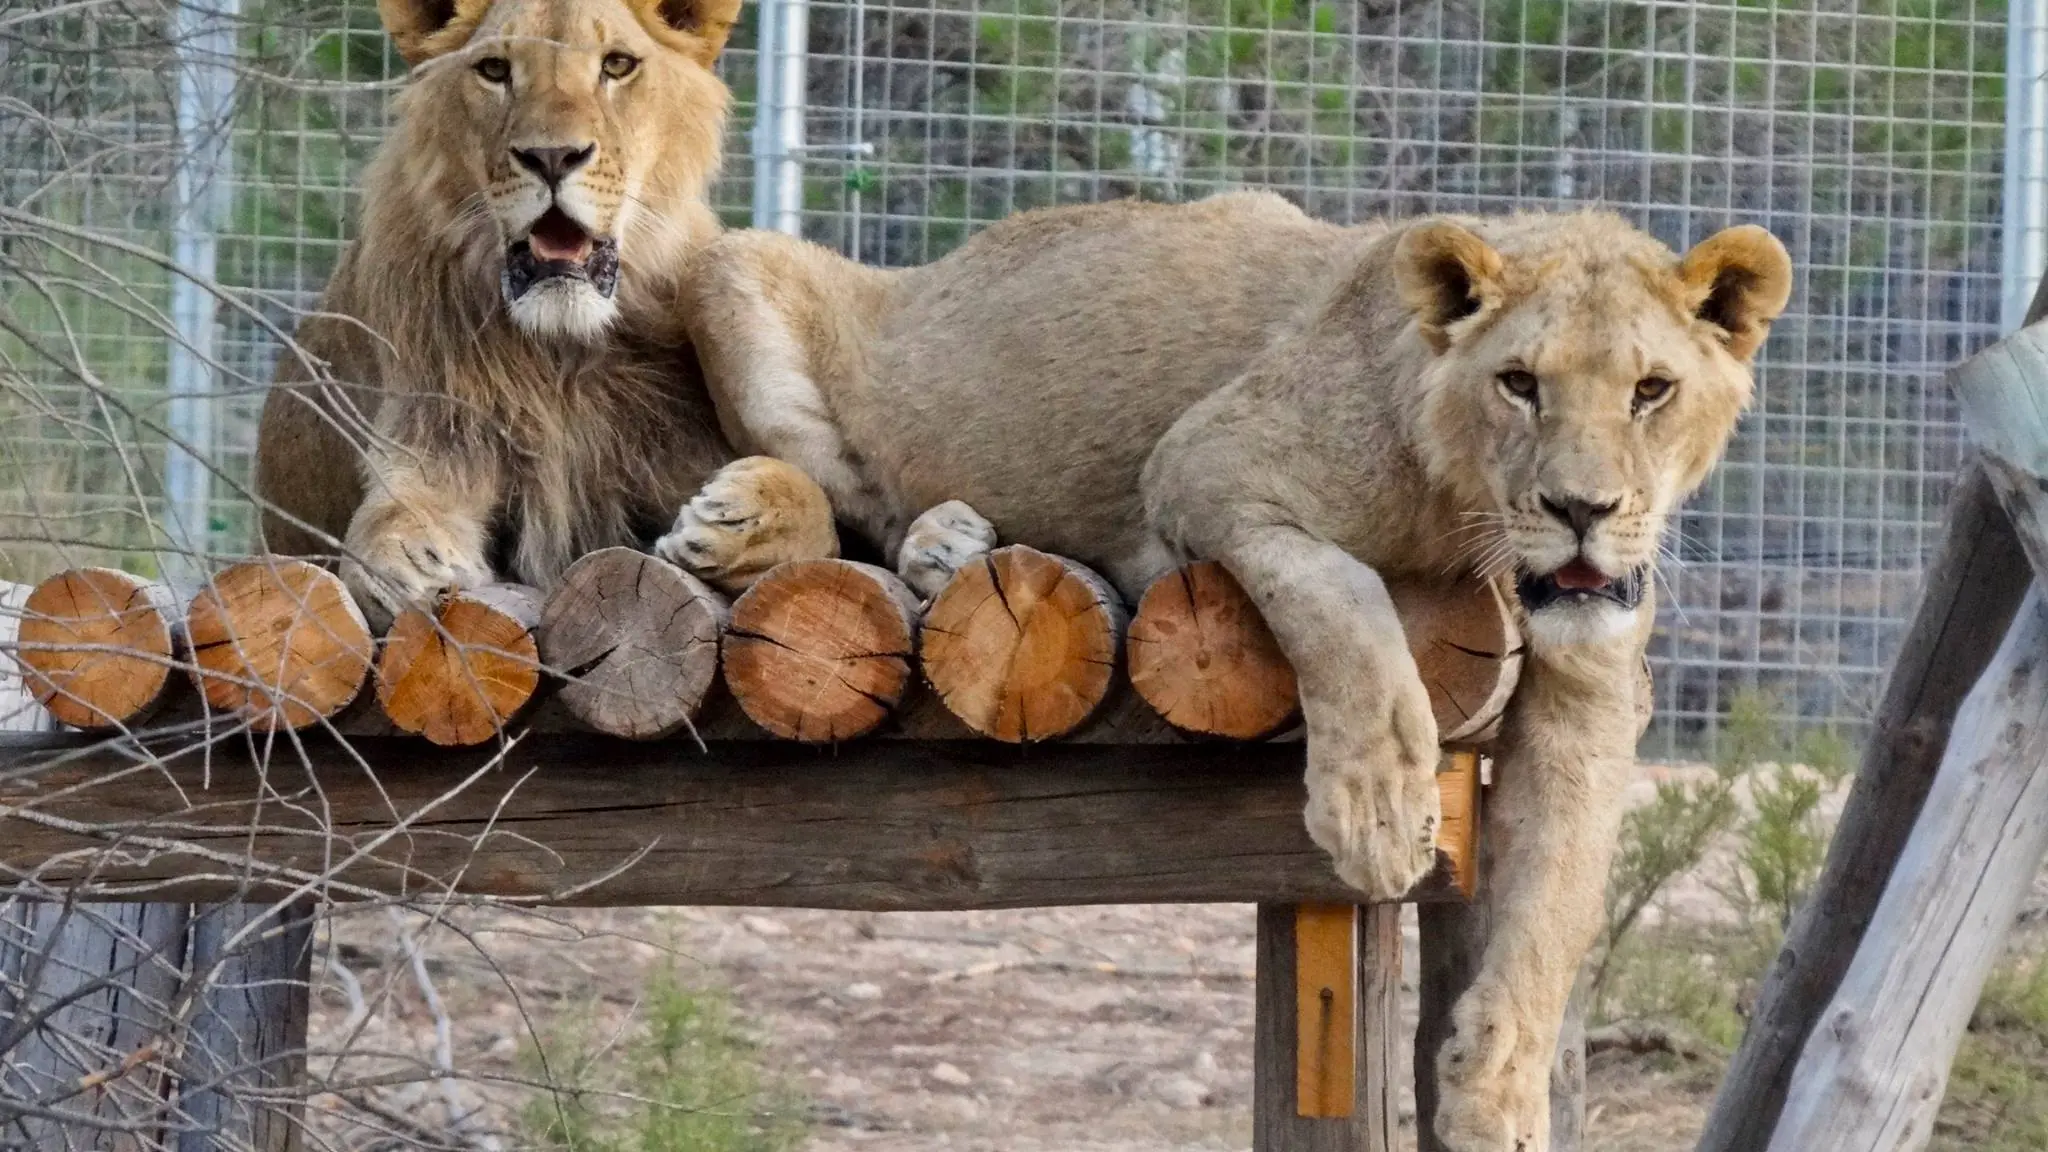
[(460, 674), (278, 643), (1021, 647)]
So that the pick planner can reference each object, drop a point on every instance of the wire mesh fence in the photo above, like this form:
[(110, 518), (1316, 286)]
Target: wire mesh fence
[(1870, 138)]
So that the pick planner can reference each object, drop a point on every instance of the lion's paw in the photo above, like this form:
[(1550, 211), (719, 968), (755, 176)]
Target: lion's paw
[(1372, 797), (1494, 1088), (752, 514), (941, 542), (408, 562)]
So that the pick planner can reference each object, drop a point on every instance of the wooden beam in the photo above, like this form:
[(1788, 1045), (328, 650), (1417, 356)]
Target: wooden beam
[(579, 820), (1874, 1074), (1972, 588)]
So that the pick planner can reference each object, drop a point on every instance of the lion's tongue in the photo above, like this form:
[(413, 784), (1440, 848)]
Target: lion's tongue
[(556, 237), (1579, 576)]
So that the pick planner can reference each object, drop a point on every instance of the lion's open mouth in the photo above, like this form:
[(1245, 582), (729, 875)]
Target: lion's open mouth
[(557, 247), (1579, 582)]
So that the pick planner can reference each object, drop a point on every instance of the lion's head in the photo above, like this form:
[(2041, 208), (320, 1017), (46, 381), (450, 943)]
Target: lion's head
[(558, 144), (1581, 381)]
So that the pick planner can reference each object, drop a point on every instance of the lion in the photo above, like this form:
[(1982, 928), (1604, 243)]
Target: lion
[(498, 380), (1320, 408)]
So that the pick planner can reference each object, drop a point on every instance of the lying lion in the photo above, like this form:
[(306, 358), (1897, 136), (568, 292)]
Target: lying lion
[(1320, 408), (508, 381)]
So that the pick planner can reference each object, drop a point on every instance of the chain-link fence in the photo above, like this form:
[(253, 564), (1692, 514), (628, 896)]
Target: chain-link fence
[(1870, 138)]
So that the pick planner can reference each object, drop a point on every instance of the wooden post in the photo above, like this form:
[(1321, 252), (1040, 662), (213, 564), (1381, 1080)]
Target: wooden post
[(1023, 646), (820, 650), (244, 1051), (460, 675), (1874, 1075), (1325, 1070), (1973, 587), (636, 638)]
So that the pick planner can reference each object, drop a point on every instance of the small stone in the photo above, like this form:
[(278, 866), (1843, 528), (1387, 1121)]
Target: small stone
[(1205, 1066), (1184, 1092), (763, 926), (950, 1076), (862, 992)]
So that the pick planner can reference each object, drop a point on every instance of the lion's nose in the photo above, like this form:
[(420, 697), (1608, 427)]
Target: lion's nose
[(1579, 514), (554, 164)]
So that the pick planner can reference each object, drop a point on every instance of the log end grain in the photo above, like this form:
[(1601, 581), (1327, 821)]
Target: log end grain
[(821, 650), (458, 675), (636, 640), (96, 647), (278, 642), (1023, 646), (1202, 656)]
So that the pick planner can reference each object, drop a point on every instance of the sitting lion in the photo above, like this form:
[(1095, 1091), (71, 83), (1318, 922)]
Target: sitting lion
[(1319, 408), (507, 383)]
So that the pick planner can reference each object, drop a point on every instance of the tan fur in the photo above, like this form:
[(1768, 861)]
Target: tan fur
[(1319, 408), (443, 427)]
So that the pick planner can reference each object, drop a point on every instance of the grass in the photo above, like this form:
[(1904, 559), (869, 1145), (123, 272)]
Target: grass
[(1998, 1090), (685, 1077)]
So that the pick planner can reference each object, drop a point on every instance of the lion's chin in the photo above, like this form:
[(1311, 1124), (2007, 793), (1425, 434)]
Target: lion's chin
[(562, 308)]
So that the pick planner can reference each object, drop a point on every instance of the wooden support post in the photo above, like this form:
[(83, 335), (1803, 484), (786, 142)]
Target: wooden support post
[(1874, 1076), (1972, 589), (245, 1049), (1325, 1065)]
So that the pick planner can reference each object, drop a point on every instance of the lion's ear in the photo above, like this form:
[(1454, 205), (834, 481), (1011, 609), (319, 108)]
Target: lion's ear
[(1446, 274), (703, 24), (1738, 280), (415, 27)]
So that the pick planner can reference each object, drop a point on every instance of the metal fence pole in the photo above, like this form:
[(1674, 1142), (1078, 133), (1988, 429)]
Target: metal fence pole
[(778, 140), (203, 35), (2026, 157)]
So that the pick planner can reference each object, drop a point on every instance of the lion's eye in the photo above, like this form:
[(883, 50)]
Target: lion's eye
[(1519, 385), (496, 69), (618, 65), (1651, 389)]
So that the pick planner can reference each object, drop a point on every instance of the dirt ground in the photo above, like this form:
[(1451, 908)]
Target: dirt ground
[(1113, 1029)]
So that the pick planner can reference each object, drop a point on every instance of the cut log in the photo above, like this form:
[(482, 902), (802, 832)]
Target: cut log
[(1202, 656), (97, 647), (636, 638), (459, 675), (278, 642), (821, 650), (1023, 646)]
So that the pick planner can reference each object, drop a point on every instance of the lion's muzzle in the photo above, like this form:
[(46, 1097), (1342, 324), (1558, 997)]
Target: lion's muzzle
[(1581, 583), (558, 248)]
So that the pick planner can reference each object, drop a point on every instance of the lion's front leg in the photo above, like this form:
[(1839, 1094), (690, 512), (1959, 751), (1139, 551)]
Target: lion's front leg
[(407, 546), (1371, 734), (1551, 823), (752, 514)]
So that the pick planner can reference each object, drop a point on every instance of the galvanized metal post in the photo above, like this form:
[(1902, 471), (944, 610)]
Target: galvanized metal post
[(203, 32), (2026, 158), (778, 140)]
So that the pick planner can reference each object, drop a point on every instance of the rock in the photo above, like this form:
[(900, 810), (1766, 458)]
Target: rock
[(862, 992), (1184, 1092), (950, 1075), (763, 926)]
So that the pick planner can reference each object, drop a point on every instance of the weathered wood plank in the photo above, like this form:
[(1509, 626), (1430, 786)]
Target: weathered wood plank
[(1278, 1120), (595, 822), (1873, 1074), (1973, 586)]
